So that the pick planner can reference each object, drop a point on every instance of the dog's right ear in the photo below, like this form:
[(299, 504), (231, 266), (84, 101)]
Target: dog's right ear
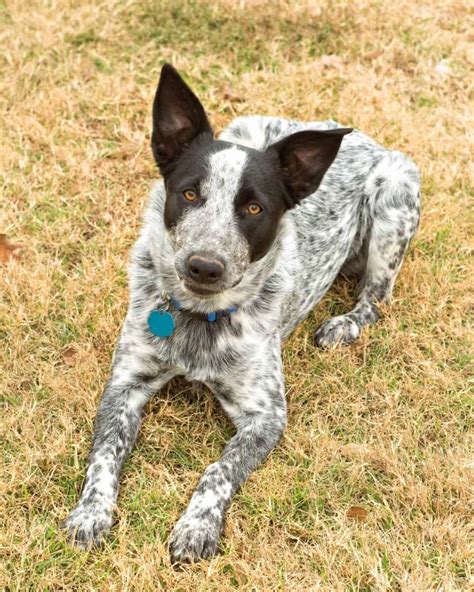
[(178, 118)]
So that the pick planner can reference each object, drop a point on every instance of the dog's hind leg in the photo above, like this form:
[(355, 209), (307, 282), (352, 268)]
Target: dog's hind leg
[(390, 219)]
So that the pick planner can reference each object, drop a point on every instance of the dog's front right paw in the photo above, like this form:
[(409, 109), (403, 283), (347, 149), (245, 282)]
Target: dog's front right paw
[(88, 524)]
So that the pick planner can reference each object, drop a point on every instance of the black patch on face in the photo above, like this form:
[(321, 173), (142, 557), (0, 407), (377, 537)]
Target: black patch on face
[(262, 184)]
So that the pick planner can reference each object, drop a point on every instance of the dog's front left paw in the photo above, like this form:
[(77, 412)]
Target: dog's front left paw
[(87, 525), (336, 331), (194, 538)]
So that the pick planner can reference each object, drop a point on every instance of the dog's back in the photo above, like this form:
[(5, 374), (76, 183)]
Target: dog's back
[(333, 224)]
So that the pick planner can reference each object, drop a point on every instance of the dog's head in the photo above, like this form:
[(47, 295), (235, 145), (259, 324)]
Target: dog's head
[(224, 202)]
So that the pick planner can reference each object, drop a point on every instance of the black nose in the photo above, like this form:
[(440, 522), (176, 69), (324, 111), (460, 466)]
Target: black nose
[(203, 270)]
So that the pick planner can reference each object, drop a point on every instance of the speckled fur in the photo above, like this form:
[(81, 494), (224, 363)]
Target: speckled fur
[(360, 221)]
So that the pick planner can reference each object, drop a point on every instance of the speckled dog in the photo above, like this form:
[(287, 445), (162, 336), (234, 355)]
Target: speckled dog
[(240, 241)]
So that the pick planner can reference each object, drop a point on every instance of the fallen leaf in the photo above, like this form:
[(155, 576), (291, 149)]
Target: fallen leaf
[(357, 513), (7, 249), (372, 55), (70, 355)]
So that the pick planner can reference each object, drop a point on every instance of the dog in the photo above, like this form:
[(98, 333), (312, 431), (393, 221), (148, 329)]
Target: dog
[(241, 239)]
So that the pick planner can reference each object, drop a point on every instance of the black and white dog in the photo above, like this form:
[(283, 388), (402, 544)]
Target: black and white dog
[(240, 241)]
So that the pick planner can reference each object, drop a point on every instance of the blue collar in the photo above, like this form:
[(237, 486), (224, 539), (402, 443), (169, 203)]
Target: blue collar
[(211, 316), (161, 322)]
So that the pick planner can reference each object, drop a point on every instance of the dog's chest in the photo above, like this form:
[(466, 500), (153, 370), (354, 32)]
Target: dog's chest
[(203, 350)]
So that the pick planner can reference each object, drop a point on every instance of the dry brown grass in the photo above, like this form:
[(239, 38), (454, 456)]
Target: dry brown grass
[(383, 425)]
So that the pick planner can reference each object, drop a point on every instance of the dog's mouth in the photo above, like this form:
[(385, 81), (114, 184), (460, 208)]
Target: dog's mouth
[(200, 290), (204, 291)]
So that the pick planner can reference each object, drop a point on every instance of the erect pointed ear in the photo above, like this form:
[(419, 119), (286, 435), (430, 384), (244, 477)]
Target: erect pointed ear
[(304, 158), (178, 118)]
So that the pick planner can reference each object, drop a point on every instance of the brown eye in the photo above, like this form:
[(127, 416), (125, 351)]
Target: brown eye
[(254, 209), (190, 195)]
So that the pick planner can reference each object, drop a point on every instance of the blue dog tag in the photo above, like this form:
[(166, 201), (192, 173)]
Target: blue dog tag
[(161, 323)]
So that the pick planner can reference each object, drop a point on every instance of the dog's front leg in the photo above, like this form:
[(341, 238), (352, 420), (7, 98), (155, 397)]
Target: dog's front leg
[(134, 379), (257, 408)]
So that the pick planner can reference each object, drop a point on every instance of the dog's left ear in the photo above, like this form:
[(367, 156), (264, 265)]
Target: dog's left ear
[(178, 118), (304, 158)]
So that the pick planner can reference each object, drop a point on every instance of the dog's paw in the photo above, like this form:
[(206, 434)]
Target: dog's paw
[(336, 331), (87, 525), (194, 538)]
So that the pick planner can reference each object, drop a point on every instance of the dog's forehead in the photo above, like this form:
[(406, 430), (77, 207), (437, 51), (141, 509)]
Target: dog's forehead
[(225, 171)]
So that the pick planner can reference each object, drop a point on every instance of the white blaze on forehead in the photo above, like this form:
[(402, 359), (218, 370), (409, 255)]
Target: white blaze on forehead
[(224, 178), (213, 226)]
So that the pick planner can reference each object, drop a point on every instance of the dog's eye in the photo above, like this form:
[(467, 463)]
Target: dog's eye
[(189, 195), (254, 209)]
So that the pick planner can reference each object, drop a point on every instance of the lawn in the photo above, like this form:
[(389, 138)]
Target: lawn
[(370, 489)]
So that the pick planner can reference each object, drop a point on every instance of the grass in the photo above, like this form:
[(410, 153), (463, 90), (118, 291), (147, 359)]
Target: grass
[(385, 425)]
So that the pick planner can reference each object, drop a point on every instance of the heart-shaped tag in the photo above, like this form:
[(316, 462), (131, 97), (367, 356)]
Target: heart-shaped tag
[(161, 323)]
